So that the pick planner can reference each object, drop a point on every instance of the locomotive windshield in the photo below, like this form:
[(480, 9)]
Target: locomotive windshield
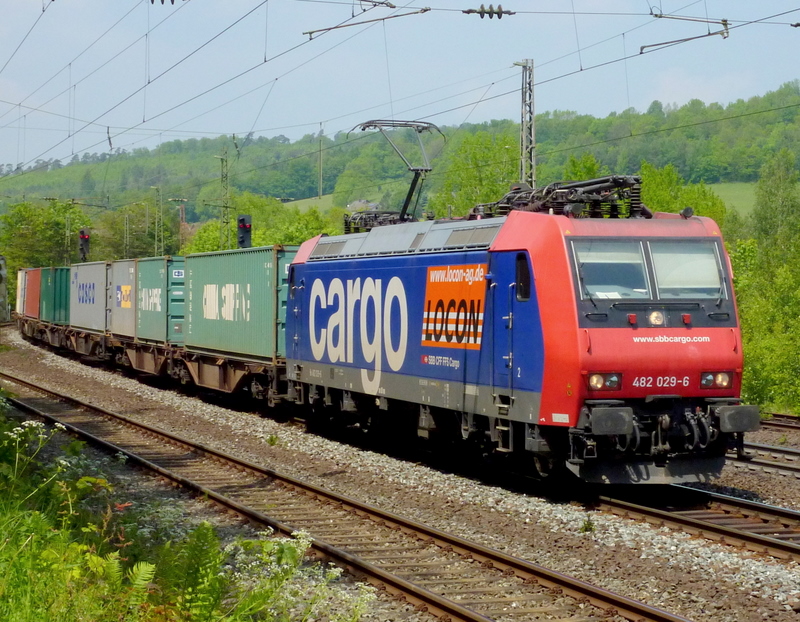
[(660, 269), (686, 269), (611, 269)]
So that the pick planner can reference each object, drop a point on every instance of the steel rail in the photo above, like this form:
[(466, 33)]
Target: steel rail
[(610, 602)]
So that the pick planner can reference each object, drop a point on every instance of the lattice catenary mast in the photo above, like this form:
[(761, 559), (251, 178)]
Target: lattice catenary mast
[(527, 127)]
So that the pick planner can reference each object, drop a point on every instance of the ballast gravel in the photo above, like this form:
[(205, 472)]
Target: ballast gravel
[(686, 575)]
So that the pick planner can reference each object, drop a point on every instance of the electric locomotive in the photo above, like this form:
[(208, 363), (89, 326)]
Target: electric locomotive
[(566, 327)]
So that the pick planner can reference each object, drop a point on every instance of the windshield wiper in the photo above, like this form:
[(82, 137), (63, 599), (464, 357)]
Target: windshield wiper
[(584, 289), (721, 291)]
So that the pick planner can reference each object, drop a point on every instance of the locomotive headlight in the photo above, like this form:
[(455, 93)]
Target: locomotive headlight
[(656, 318), (715, 380), (605, 382), (596, 381)]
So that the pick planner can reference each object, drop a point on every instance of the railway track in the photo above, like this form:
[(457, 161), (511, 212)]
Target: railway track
[(757, 527), (769, 458), (782, 422), (447, 576)]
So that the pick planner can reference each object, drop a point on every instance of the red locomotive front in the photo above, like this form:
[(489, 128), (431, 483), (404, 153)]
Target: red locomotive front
[(643, 356)]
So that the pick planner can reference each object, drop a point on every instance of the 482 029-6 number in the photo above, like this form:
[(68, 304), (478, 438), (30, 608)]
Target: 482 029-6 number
[(661, 381)]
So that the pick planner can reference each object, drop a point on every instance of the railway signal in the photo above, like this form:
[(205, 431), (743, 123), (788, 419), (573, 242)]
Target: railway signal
[(245, 228), (84, 244)]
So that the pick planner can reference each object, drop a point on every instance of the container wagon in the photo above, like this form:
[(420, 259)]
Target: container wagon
[(235, 320)]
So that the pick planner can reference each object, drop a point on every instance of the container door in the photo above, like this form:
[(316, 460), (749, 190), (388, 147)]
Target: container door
[(284, 260), (33, 284), (176, 300), (61, 296), (121, 298), (47, 296), (21, 278)]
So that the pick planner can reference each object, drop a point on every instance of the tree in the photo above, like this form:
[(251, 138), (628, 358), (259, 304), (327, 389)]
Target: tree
[(776, 215), (664, 190), (88, 184), (34, 235), (479, 169), (587, 167), (273, 223), (365, 176), (130, 232), (767, 288)]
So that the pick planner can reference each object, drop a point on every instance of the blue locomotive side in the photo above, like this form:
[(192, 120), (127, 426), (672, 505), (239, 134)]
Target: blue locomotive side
[(433, 329)]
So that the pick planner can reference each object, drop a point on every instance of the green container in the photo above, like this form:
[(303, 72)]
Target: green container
[(54, 301), (236, 302), (160, 295)]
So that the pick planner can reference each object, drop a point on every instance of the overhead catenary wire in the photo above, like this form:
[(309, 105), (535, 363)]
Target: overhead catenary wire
[(186, 101), (72, 86), (224, 83), (196, 97), (68, 66), (201, 94)]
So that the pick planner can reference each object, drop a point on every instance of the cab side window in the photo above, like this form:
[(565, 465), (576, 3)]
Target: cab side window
[(523, 278)]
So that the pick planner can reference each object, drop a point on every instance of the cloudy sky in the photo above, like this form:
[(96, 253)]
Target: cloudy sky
[(92, 76)]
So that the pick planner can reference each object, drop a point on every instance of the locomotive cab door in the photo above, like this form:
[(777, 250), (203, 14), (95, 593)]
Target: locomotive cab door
[(516, 334), (294, 311)]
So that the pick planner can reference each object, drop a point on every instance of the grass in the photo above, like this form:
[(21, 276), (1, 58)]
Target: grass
[(740, 196)]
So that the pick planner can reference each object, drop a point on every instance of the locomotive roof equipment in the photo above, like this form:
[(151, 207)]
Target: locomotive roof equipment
[(365, 220)]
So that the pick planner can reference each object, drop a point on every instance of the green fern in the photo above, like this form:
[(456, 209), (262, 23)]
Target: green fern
[(139, 577), (112, 571), (196, 574)]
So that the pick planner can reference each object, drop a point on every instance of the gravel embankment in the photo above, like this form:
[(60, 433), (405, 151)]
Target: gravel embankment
[(689, 576)]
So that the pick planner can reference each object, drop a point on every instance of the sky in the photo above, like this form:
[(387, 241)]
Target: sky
[(94, 76)]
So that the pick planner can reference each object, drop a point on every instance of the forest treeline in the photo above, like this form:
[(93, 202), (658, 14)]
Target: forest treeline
[(703, 142)]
